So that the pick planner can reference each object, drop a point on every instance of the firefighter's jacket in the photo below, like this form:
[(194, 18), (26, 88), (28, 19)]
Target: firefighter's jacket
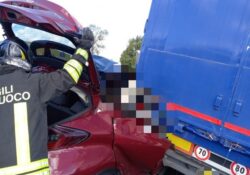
[(23, 117)]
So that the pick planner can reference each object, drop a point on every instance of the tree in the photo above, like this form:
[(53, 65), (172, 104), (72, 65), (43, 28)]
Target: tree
[(128, 56), (100, 35)]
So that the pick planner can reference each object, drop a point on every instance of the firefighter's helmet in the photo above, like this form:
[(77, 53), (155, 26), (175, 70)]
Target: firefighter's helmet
[(12, 53)]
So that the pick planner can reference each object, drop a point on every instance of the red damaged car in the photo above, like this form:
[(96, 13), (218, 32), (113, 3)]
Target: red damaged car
[(85, 137)]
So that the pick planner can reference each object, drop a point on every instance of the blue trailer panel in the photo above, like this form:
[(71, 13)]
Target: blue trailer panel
[(195, 54)]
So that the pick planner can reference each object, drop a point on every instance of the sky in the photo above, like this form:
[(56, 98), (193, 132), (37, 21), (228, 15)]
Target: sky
[(124, 19)]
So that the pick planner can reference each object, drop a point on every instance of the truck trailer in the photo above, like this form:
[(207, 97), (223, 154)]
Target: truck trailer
[(196, 56)]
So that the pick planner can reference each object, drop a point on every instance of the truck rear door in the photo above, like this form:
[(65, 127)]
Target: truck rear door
[(236, 129)]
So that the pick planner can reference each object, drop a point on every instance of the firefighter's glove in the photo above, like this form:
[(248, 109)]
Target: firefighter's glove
[(87, 40), (84, 45)]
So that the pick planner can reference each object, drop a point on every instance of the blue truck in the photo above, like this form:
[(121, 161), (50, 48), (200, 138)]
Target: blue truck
[(196, 56)]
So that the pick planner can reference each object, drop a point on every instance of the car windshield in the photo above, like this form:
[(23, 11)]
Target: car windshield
[(29, 35)]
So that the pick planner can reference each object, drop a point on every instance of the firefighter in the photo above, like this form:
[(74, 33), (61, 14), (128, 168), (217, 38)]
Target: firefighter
[(23, 97)]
